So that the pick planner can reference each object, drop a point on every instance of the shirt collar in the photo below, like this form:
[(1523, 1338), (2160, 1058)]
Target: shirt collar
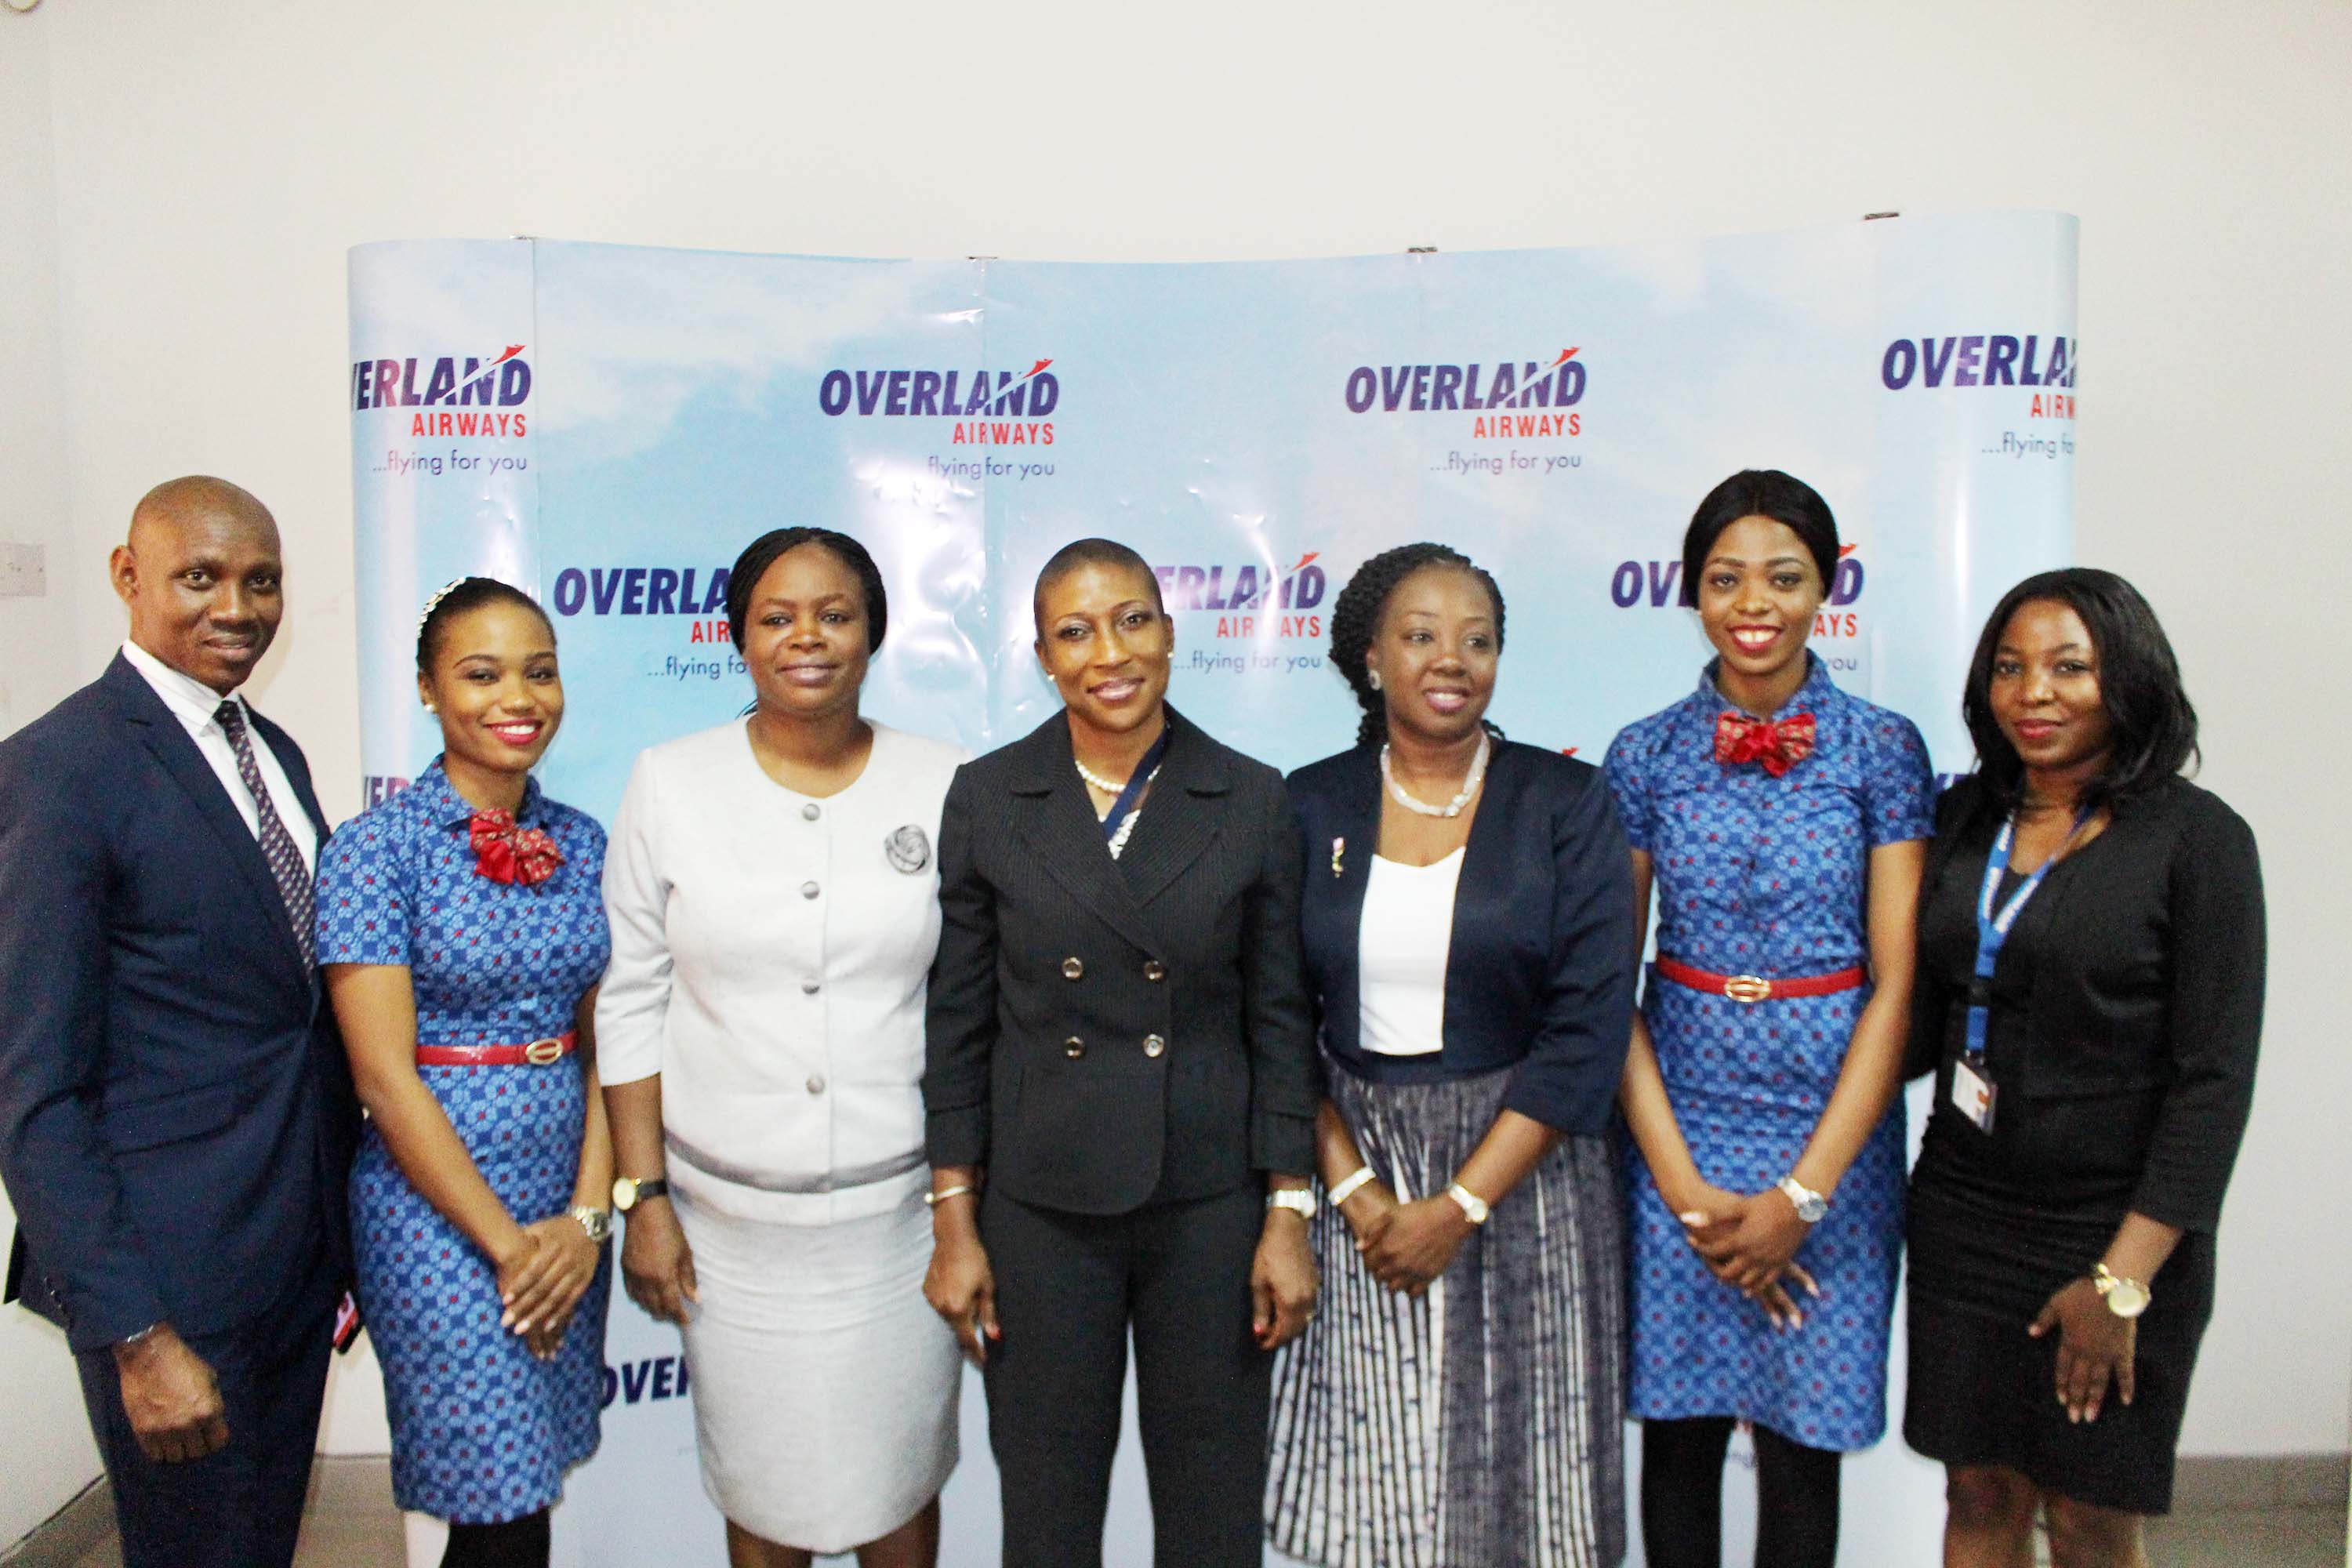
[(192, 702), (433, 795), (1816, 690)]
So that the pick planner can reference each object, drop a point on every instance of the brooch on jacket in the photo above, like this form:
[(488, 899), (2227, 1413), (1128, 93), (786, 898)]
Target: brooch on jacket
[(909, 848), (1339, 847)]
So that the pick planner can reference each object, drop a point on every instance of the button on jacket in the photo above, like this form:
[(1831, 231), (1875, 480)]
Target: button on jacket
[(769, 958), (1540, 974), (1105, 1034)]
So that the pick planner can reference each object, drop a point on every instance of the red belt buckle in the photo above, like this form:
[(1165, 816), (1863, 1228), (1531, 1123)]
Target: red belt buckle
[(544, 1053), (1747, 988)]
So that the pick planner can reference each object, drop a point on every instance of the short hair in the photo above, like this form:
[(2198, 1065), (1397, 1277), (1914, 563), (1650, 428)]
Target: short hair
[(1759, 492), (763, 552), (1080, 553), (2139, 687), (466, 593), (1356, 618)]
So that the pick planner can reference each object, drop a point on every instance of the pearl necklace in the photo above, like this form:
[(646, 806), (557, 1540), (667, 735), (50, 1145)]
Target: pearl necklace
[(1107, 786), (1452, 807), (1127, 824)]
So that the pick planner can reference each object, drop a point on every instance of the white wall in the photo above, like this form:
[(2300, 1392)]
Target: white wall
[(212, 162), (51, 1457)]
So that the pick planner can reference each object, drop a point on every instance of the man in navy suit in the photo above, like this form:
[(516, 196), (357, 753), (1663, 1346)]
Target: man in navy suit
[(175, 1116)]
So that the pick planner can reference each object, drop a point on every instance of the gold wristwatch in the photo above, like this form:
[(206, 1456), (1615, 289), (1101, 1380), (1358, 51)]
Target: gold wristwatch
[(2125, 1298)]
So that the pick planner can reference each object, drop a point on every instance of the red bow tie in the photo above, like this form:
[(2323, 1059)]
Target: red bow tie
[(1778, 747), (504, 853)]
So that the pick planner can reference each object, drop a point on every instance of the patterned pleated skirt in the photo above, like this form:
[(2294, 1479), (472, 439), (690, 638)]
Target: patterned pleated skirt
[(1482, 1424)]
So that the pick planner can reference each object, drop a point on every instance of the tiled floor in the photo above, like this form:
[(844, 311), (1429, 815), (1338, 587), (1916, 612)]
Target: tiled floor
[(352, 1524)]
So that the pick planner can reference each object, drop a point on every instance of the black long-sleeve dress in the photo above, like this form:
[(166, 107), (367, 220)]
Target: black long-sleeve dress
[(2126, 1011)]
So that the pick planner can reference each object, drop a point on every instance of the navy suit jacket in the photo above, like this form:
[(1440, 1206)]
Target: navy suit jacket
[(1539, 973), (176, 1116)]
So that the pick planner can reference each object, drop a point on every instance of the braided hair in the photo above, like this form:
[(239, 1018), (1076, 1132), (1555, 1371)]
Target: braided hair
[(1356, 620), (454, 600)]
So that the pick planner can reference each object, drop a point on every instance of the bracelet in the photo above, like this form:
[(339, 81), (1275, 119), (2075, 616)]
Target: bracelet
[(961, 1189), (1350, 1186)]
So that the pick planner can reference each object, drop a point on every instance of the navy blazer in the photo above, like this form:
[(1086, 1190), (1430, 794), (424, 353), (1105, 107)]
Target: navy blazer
[(176, 1116), (1540, 972), (1106, 1034)]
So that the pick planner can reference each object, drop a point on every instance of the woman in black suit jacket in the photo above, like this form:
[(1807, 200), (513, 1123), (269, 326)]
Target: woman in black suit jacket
[(2084, 1124), (1119, 1045), (1469, 934)]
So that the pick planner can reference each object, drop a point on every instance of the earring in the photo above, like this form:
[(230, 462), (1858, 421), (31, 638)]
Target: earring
[(1376, 680)]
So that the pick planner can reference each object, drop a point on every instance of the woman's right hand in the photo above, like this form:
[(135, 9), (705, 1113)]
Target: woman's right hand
[(962, 1288), (1714, 1223), (1368, 1212), (656, 1265)]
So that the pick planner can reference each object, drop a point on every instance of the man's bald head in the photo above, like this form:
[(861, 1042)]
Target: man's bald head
[(203, 577), (176, 502)]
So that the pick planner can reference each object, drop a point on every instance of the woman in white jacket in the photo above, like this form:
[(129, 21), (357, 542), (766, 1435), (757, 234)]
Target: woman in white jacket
[(774, 900)]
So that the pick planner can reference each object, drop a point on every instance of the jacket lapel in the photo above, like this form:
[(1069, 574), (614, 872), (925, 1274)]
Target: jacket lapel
[(1054, 820), (1181, 815), (170, 744)]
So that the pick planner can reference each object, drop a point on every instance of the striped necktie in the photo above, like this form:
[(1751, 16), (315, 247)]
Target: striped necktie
[(277, 845)]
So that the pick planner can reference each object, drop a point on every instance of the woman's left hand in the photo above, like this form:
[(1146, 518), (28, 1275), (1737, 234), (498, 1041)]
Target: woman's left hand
[(544, 1312), (2094, 1347), (1419, 1242), (1284, 1282)]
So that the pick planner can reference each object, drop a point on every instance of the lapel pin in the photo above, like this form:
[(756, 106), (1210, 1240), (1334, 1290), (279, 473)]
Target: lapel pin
[(1339, 847)]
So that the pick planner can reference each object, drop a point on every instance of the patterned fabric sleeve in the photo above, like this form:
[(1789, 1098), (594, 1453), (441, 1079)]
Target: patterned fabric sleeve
[(1898, 788), (1629, 782), (363, 893)]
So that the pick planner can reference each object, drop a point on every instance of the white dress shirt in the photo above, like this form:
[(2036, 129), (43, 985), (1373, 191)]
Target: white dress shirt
[(770, 952), (1402, 943), (192, 703)]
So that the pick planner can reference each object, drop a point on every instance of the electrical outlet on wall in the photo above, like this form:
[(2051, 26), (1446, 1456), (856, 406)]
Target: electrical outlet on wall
[(23, 571)]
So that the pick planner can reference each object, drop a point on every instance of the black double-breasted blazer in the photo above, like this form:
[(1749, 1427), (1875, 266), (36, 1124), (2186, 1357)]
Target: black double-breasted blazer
[(1106, 1034)]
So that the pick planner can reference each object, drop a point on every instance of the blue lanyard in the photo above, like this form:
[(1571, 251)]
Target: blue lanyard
[(1137, 782), (1992, 927)]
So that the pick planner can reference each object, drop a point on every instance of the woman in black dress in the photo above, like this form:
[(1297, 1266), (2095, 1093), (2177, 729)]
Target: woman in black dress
[(2090, 995)]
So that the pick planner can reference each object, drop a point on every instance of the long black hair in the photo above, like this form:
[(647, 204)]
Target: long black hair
[(466, 593), (763, 553), (2139, 687), (1356, 619), (1759, 492)]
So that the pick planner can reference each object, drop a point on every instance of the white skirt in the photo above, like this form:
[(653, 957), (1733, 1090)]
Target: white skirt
[(824, 1387)]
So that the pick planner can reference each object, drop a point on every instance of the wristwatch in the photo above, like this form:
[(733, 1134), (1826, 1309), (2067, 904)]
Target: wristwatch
[(1299, 1201), (629, 1191), (1811, 1205), (597, 1223), (1473, 1208), (2125, 1298)]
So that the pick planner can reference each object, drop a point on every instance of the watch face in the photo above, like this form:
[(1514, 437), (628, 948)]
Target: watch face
[(625, 1195), (2126, 1299)]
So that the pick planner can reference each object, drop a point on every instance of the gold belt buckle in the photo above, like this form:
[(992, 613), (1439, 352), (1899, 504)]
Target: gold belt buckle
[(544, 1053), (1747, 988)]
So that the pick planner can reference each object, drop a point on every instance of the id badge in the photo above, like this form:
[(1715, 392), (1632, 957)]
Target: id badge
[(1972, 1094)]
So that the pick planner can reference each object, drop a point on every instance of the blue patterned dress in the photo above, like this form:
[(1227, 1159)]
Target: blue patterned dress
[(481, 1431), (1763, 876)]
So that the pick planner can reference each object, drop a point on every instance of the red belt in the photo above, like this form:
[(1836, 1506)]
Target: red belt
[(1756, 988), (538, 1054)]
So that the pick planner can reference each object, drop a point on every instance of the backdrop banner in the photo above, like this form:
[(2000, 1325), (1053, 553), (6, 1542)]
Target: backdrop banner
[(606, 426)]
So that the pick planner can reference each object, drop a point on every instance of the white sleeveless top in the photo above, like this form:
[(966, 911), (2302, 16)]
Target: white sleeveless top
[(1401, 947)]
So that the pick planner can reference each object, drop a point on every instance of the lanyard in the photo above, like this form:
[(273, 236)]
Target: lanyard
[(1137, 782), (1992, 927)]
